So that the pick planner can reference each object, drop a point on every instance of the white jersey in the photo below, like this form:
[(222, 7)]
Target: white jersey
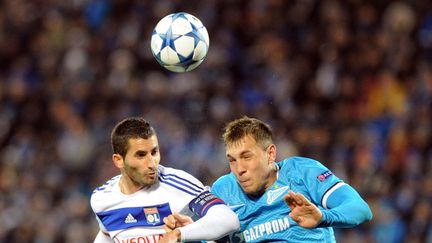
[(138, 217)]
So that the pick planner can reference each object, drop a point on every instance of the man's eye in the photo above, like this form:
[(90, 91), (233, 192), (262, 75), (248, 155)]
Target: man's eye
[(141, 154)]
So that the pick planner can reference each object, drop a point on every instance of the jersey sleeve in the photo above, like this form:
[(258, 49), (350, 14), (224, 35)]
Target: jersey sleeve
[(217, 188), (342, 205), (202, 199), (203, 202), (320, 182), (220, 219), (226, 188), (212, 213), (345, 208)]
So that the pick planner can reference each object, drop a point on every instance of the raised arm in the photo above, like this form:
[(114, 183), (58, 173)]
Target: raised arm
[(343, 207)]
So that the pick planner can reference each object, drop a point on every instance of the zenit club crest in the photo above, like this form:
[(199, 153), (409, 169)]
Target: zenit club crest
[(152, 215)]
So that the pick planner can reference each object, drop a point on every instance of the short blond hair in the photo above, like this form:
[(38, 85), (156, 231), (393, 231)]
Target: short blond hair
[(247, 126)]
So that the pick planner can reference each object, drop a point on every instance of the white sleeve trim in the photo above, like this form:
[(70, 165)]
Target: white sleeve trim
[(329, 192)]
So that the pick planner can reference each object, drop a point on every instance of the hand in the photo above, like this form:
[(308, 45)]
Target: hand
[(176, 220), (303, 212), (171, 237)]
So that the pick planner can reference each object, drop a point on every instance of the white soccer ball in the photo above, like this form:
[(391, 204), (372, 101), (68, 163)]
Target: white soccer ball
[(180, 42)]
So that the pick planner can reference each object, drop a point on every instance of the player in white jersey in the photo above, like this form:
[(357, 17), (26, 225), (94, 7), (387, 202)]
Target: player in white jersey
[(131, 207)]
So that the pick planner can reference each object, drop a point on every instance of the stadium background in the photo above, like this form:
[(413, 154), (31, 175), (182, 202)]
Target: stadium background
[(346, 82)]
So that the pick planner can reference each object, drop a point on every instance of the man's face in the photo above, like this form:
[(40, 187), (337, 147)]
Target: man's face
[(252, 165), (141, 161)]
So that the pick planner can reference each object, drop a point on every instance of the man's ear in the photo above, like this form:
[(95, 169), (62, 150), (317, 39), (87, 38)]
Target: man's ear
[(271, 151), (118, 160)]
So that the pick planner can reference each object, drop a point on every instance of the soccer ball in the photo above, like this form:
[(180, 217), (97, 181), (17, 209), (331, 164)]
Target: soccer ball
[(180, 42)]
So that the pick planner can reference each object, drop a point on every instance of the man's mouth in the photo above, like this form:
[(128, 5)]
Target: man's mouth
[(245, 182)]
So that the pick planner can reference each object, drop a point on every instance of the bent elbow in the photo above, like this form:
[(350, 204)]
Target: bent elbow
[(368, 215), (234, 222), (364, 215)]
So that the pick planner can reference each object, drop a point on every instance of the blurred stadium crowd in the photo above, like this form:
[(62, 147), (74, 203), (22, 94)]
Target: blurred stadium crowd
[(347, 82)]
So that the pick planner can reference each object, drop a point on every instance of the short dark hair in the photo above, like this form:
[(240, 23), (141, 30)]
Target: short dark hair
[(132, 127), (242, 127)]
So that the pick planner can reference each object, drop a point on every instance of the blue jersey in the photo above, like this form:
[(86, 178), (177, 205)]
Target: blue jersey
[(265, 219)]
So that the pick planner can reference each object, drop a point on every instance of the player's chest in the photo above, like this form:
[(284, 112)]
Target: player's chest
[(143, 209), (270, 208), (262, 219), (173, 199)]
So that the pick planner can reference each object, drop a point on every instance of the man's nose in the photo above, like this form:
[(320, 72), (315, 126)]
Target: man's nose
[(241, 169), (152, 162)]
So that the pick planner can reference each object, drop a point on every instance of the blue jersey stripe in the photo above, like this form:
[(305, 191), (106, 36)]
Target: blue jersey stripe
[(181, 178), (179, 184), (188, 184), (175, 186)]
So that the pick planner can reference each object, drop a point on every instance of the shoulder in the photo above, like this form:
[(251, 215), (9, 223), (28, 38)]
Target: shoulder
[(298, 163), (226, 183), (298, 168), (103, 192), (167, 174)]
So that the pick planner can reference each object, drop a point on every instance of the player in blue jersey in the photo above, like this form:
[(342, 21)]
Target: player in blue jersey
[(131, 207), (294, 200)]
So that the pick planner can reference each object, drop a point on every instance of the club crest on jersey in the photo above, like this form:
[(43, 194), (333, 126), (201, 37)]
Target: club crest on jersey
[(324, 175), (272, 195), (152, 215)]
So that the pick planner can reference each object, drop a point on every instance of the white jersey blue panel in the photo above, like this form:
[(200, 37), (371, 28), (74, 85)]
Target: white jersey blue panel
[(138, 217)]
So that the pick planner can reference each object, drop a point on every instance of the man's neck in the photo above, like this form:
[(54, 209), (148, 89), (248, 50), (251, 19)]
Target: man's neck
[(127, 186), (271, 179)]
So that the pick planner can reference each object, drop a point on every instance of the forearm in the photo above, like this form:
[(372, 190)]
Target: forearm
[(345, 208), (219, 218), (349, 215)]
